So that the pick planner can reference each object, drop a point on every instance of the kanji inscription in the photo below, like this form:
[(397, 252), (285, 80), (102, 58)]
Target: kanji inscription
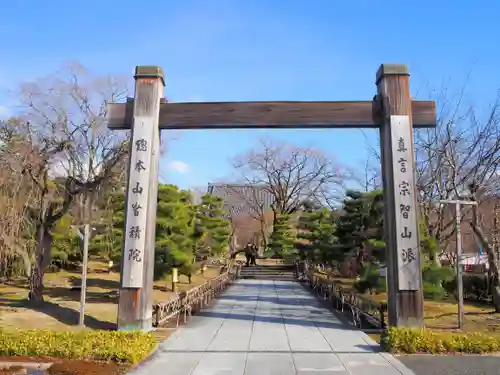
[(405, 204), (137, 200)]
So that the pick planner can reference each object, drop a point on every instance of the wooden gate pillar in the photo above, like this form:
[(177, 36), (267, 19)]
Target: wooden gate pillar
[(405, 298), (137, 266)]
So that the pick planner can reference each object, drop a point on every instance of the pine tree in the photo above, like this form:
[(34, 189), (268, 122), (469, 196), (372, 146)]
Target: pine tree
[(434, 276), (65, 243), (316, 234), (360, 226), (350, 223), (108, 242), (281, 242), (212, 228), (374, 226), (181, 229), (361, 234), (175, 224)]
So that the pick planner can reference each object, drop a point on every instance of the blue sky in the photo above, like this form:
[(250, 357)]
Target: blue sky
[(257, 50)]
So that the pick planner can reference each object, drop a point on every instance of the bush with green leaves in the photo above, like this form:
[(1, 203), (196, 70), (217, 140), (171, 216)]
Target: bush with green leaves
[(433, 292), (370, 279), (476, 287), (124, 347), (404, 340), (434, 278)]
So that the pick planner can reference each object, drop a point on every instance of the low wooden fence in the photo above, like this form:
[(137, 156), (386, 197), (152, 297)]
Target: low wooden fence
[(187, 302), (363, 312)]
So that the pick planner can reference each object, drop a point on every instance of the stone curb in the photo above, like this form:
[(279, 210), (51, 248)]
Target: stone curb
[(146, 361), (28, 365), (400, 366)]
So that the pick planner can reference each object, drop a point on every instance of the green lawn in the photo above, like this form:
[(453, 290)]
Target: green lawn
[(61, 309)]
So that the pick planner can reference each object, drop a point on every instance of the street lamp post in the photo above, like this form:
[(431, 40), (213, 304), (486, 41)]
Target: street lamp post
[(458, 220), (85, 236)]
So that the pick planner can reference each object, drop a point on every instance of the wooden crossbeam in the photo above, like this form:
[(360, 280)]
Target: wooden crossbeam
[(253, 115)]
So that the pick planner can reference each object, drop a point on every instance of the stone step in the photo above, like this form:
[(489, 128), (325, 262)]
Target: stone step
[(270, 268), (272, 277), (268, 273)]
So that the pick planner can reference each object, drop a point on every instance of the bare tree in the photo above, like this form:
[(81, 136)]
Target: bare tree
[(15, 194), (73, 151), (247, 229), (291, 175), (250, 203), (460, 159), (369, 177), (246, 205)]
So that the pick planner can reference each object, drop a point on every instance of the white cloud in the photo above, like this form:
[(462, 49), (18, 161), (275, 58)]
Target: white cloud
[(178, 166)]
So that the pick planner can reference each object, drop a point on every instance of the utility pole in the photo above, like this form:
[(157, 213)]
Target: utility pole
[(495, 231), (83, 291), (458, 221), (86, 207)]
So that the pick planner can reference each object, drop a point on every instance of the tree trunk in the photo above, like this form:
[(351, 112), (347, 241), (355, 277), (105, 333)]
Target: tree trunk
[(434, 258), (492, 259), (27, 261), (263, 234), (231, 242), (43, 259), (275, 219)]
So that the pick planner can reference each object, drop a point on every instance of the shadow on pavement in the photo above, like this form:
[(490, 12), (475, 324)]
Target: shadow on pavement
[(278, 320)]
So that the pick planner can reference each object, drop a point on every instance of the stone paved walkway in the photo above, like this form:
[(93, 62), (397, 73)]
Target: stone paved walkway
[(261, 327)]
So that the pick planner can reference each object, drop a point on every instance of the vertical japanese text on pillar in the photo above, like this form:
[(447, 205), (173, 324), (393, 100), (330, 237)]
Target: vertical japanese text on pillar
[(137, 201), (406, 223)]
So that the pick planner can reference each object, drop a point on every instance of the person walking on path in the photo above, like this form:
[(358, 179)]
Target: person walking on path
[(254, 255), (248, 254)]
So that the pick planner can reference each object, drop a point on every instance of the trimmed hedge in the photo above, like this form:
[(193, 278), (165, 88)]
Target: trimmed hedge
[(404, 340), (120, 347)]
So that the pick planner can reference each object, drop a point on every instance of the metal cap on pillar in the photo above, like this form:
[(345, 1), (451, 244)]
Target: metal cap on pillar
[(391, 70), (149, 71)]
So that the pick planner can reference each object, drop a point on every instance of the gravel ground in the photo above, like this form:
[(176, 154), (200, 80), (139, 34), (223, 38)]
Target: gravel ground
[(452, 365)]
